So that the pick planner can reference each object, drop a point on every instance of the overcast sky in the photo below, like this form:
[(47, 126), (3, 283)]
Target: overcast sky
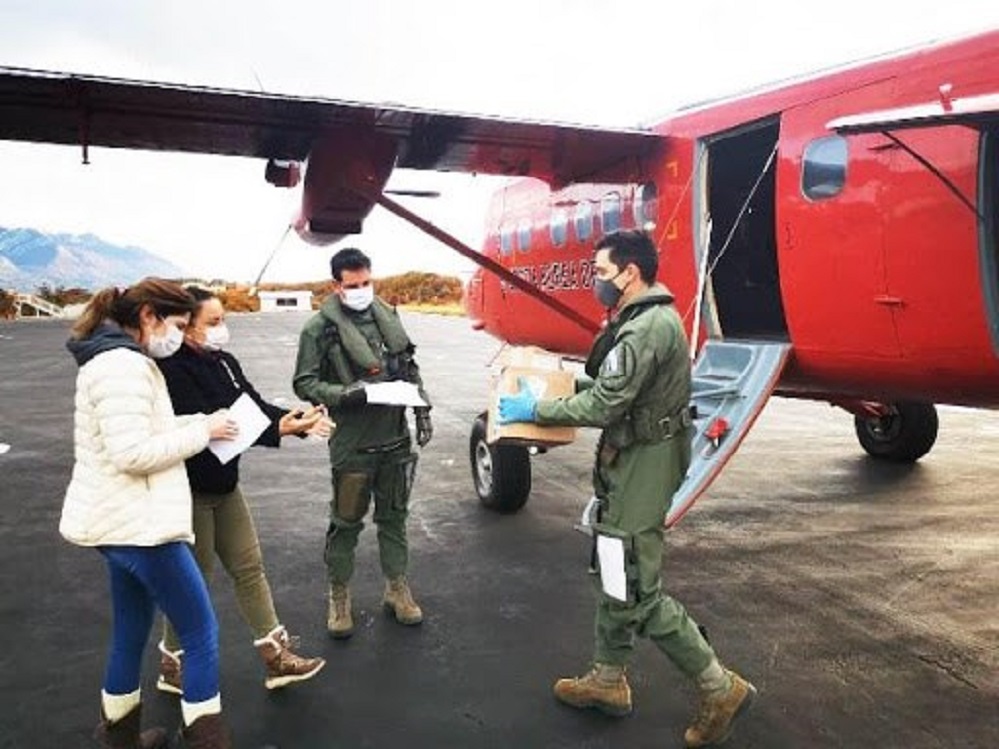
[(590, 61)]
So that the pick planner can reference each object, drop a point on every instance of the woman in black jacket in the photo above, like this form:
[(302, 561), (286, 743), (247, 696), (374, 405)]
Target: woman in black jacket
[(198, 375)]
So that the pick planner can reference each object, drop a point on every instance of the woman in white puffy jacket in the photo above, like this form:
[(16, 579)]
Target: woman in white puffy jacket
[(129, 498)]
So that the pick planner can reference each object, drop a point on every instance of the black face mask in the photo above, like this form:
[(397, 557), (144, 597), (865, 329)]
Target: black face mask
[(606, 292)]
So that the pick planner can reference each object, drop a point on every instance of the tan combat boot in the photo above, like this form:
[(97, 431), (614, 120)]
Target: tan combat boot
[(604, 687), (398, 601), (284, 666), (170, 670), (339, 622), (718, 712)]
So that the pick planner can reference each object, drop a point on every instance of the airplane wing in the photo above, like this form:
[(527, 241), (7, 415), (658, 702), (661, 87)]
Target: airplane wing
[(974, 111), (88, 110)]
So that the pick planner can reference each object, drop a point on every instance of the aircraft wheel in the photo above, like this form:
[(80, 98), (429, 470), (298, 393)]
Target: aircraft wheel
[(903, 435), (502, 473)]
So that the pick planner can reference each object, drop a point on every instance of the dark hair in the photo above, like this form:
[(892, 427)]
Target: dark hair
[(632, 246), (200, 294), (349, 258), (124, 305)]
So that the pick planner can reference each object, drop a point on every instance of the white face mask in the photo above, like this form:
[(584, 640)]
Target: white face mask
[(359, 299), (216, 337), (167, 344)]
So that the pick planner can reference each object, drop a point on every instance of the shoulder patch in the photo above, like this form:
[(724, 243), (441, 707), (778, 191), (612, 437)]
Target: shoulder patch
[(618, 366)]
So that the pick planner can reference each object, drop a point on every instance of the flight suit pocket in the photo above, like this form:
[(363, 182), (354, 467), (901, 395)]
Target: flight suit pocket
[(617, 563), (403, 475), (353, 495)]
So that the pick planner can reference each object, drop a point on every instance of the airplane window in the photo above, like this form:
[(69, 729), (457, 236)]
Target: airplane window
[(524, 235), (584, 221), (823, 171), (559, 227), (506, 240), (646, 205), (610, 212)]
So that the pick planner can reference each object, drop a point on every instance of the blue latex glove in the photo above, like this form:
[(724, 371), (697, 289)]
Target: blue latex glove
[(519, 407)]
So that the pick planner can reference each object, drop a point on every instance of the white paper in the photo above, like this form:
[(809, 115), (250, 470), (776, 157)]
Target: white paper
[(251, 421), (396, 393), (610, 552), (4, 447)]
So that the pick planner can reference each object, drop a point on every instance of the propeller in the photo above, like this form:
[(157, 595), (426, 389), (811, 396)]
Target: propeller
[(415, 193)]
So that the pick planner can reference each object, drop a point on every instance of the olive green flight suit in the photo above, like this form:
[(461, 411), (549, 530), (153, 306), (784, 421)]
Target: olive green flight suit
[(371, 452), (639, 395)]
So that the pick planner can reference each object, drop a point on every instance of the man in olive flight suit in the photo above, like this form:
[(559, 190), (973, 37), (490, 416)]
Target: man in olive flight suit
[(357, 339), (638, 392)]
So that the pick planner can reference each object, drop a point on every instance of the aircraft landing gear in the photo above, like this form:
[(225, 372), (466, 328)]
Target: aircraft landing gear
[(502, 473), (900, 432)]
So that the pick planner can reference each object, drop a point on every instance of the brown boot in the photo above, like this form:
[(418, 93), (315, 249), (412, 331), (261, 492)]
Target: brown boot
[(604, 687), (339, 622), (718, 712), (207, 732), (125, 734), (398, 601), (169, 680), (283, 665)]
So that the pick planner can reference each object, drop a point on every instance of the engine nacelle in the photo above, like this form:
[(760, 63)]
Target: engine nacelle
[(346, 169)]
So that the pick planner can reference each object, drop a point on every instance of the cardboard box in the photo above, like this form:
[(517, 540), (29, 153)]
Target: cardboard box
[(545, 383)]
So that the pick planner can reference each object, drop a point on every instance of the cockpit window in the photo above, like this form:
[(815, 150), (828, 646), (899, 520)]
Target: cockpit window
[(823, 171), (559, 227), (646, 205), (524, 235), (610, 212), (506, 239), (584, 221)]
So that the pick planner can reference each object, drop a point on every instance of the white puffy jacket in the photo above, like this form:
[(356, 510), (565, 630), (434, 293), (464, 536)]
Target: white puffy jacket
[(129, 484)]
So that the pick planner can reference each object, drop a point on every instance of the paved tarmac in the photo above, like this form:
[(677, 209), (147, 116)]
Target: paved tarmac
[(862, 599)]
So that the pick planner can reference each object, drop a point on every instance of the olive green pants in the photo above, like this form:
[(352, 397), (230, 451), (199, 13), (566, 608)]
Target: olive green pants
[(388, 479), (223, 527), (637, 487)]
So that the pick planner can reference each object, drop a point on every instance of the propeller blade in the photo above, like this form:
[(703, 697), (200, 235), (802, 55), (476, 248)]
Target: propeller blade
[(415, 193)]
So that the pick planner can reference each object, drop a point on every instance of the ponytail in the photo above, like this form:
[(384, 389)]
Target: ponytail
[(124, 305), (98, 309)]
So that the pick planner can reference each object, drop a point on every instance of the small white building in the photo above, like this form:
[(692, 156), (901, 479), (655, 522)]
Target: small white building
[(285, 301)]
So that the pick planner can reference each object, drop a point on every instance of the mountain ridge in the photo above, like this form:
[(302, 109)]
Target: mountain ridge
[(30, 258)]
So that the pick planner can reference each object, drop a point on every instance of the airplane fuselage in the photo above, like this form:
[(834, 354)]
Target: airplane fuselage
[(884, 282)]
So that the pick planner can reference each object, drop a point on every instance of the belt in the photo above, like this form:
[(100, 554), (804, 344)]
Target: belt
[(675, 423)]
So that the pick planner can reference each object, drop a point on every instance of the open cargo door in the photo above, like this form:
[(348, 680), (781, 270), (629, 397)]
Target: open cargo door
[(732, 382)]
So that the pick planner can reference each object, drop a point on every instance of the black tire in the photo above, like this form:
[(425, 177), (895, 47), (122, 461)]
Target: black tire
[(904, 435), (501, 473)]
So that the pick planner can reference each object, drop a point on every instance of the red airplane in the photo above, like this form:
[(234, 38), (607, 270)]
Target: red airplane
[(832, 237)]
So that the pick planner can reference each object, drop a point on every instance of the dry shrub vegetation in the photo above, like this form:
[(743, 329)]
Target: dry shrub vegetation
[(425, 291)]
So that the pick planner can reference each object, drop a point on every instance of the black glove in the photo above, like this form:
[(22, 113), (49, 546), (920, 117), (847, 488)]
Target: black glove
[(424, 427), (353, 396)]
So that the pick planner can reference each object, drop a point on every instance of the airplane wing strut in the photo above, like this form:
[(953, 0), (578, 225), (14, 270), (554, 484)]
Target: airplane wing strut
[(479, 259)]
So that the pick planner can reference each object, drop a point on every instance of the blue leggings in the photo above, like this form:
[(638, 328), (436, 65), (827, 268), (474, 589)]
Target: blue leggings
[(142, 579)]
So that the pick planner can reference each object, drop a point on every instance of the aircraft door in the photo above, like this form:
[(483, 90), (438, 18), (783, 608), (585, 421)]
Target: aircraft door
[(943, 253), (742, 269), (931, 240), (830, 237)]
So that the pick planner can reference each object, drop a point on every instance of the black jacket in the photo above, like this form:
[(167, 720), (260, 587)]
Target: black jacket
[(205, 381)]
